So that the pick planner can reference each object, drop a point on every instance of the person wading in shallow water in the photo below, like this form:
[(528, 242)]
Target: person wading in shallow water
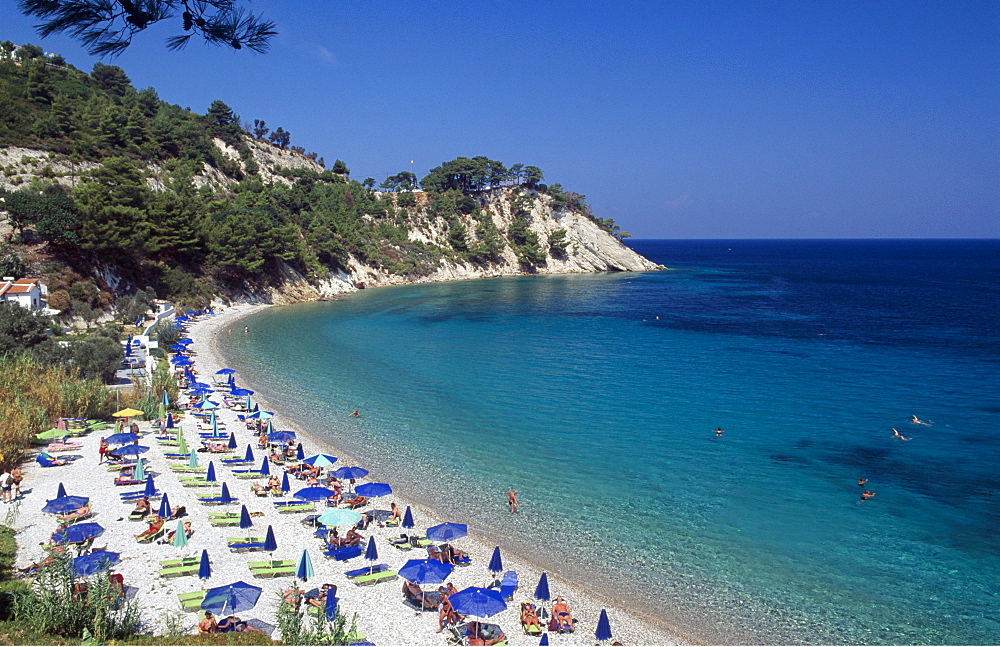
[(512, 500)]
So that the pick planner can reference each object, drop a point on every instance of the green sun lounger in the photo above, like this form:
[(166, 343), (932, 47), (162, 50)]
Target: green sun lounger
[(184, 561), (188, 469), (191, 602), (269, 573), (244, 540), (179, 571), (247, 474), (274, 563), (375, 578), (289, 508), (222, 522)]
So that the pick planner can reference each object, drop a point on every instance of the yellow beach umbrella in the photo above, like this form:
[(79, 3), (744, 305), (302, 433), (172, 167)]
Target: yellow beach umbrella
[(127, 413)]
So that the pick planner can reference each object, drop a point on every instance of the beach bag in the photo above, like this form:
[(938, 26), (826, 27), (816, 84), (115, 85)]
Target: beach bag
[(553, 624)]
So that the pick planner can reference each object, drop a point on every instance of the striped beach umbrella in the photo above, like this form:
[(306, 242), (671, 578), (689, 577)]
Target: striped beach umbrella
[(305, 569)]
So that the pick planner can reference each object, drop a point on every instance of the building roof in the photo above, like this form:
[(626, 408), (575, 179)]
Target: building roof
[(20, 286)]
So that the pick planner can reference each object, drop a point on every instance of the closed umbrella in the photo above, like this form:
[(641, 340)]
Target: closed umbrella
[(180, 536), (225, 497), (330, 610), (249, 455), (215, 424), (447, 532), (299, 452), (285, 486), (182, 445), (170, 422), (210, 474), (305, 569), (265, 467), (164, 510), (544, 640), (603, 631), (371, 552), (232, 440), (496, 564), (140, 472), (270, 543), (92, 562), (231, 598), (204, 568), (245, 521), (150, 490), (408, 518), (60, 491), (193, 459), (166, 398)]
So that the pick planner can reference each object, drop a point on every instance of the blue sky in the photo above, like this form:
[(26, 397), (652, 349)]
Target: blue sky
[(751, 119)]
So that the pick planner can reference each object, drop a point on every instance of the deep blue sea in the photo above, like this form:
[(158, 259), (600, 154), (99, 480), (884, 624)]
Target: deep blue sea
[(596, 396)]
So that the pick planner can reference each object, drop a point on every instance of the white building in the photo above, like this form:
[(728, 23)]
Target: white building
[(28, 293)]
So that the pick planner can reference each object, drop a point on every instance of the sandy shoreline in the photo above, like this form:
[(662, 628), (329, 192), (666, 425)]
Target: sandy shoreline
[(382, 615)]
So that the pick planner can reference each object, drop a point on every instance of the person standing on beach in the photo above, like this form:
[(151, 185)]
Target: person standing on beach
[(512, 500)]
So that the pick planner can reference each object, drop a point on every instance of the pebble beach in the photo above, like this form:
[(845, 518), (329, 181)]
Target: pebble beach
[(381, 613)]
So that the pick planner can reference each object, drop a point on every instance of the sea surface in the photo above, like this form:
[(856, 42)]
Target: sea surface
[(597, 396)]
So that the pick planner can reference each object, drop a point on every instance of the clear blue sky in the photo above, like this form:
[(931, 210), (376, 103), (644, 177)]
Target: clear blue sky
[(751, 119)]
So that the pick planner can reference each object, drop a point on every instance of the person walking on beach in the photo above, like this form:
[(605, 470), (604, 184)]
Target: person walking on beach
[(102, 450), (512, 501)]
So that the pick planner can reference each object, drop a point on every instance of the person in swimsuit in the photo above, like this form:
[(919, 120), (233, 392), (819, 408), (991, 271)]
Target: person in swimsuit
[(512, 501), (896, 434)]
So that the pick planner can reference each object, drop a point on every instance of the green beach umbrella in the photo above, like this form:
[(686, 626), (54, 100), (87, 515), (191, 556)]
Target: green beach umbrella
[(249, 403), (140, 472), (193, 459), (180, 537), (161, 410), (182, 446), (51, 434)]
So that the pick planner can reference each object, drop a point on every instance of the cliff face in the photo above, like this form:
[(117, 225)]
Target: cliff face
[(588, 249)]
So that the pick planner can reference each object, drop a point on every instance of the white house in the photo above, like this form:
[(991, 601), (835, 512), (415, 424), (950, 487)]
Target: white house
[(28, 293)]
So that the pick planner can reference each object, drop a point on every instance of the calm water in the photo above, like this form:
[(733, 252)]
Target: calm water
[(572, 391)]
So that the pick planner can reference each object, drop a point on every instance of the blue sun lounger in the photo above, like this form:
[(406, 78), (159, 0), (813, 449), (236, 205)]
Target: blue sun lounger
[(345, 553), (508, 585)]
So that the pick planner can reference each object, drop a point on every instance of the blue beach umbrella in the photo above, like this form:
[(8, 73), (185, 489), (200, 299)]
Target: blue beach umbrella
[(372, 490), (249, 455), (270, 544), (331, 606), (265, 467), (181, 360), (408, 518), (64, 504), (166, 398), (245, 521), (225, 497), (178, 347), (496, 564), (249, 405), (542, 590), (371, 552), (199, 385), (150, 490), (232, 440), (544, 640), (603, 631), (78, 533), (204, 568), (425, 571), (240, 393), (281, 436), (477, 601), (447, 532), (348, 473), (210, 475), (201, 390), (214, 420), (170, 422), (305, 569), (122, 438), (231, 383), (314, 493), (225, 371), (320, 460), (60, 491), (130, 450), (206, 405), (231, 598), (164, 510), (185, 340), (261, 415), (92, 562), (300, 454), (285, 486)]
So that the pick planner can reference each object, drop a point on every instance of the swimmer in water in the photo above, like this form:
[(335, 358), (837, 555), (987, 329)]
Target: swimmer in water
[(896, 434), (356, 414), (867, 494), (718, 432), (862, 481), (918, 421)]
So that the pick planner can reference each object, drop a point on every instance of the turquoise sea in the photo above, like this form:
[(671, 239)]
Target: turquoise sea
[(596, 397)]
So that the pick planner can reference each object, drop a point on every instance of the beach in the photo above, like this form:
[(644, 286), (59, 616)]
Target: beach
[(382, 615)]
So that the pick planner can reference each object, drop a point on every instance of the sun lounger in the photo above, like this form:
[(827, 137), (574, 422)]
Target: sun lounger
[(409, 542), (227, 520), (345, 553), (120, 483), (191, 601), (216, 500), (425, 601), (278, 571), (179, 571), (184, 561), (247, 474), (246, 546), (530, 623), (150, 534), (244, 539), (236, 461), (189, 469), (508, 585), (375, 578), (294, 506), (137, 516), (367, 570), (132, 496), (271, 563)]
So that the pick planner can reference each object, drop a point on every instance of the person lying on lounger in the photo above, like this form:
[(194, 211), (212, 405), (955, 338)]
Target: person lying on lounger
[(480, 634), (454, 555), (169, 538), (561, 614), (79, 513), (215, 448), (234, 623), (529, 618), (292, 597), (319, 600), (352, 538), (142, 507), (155, 525), (356, 502)]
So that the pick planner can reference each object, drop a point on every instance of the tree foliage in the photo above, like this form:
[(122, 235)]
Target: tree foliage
[(107, 27)]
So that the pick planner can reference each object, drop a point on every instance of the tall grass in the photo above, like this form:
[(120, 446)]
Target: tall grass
[(34, 395), (303, 629)]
